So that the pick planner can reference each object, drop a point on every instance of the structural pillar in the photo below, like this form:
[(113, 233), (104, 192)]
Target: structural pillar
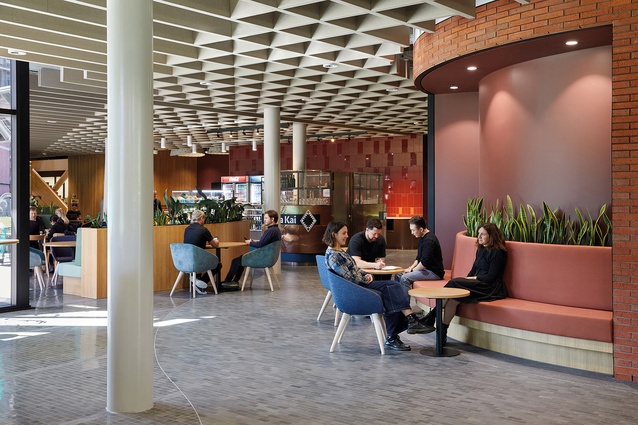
[(299, 146), (272, 164), (129, 158)]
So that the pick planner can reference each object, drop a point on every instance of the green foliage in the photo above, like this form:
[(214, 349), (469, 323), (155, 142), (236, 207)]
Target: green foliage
[(96, 222), (552, 227), (220, 211), (160, 218), (474, 216), (176, 214)]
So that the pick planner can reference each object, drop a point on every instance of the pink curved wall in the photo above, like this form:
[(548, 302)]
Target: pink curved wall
[(545, 131)]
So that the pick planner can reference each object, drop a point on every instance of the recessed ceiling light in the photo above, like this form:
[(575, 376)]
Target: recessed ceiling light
[(330, 65), (472, 68), (51, 121), (571, 42), (392, 89), (206, 83), (454, 87), (16, 52), (307, 99)]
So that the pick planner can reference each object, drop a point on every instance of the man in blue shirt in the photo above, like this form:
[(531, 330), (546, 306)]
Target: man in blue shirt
[(272, 234)]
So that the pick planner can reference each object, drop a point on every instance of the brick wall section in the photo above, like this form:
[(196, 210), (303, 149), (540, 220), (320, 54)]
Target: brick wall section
[(506, 21)]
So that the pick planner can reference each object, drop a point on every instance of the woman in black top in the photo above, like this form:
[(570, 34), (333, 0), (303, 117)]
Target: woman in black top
[(484, 281), (57, 226)]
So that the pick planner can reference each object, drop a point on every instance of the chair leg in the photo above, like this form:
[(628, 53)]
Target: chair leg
[(378, 328), (212, 280), (177, 281), (267, 272), (325, 304), (274, 276), (339, 333), (346, 318), (192, 284), (54, 279), (37, 271), (245, 277), (337, 316)]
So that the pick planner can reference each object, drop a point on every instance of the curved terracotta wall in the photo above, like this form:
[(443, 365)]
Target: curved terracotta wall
[(506, 21), (545, 132)]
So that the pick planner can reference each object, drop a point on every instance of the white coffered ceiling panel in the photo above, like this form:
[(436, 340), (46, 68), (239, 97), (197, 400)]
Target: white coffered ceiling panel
[(219, 63)]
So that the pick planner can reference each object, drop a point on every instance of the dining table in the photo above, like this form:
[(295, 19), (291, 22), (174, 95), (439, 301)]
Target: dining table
[(218, 252), (385, 271)]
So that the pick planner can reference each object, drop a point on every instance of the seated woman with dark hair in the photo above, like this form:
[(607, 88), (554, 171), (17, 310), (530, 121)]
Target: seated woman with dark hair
[(484, 281), (57, 226), (398, 315)]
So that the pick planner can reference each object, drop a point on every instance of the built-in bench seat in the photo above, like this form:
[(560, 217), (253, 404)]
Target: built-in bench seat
[(559, 308)]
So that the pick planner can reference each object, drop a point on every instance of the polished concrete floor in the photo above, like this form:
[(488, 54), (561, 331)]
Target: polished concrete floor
[(260, 357)]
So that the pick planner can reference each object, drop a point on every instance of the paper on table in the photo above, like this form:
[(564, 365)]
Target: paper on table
[(391, 268)]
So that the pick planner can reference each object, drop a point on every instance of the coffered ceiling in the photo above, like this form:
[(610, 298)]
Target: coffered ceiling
[(338, 65)]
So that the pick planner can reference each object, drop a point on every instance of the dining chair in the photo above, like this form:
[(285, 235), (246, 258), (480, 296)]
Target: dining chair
[(36, 261), (261, 258), (355, 300), (61, 254), (323, 277), (190, 259)]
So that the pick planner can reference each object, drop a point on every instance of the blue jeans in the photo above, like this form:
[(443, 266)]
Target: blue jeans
[(407, 279), (394, 302)]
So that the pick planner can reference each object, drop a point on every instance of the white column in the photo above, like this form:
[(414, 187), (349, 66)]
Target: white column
[(272, 164), (299, 146), (130, 214)]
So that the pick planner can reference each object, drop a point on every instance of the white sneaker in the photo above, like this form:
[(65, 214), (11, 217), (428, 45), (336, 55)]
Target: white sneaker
[(199, 291), (201, 284)]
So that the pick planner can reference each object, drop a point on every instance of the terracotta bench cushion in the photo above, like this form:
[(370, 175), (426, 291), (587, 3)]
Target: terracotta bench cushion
[(545, 318)]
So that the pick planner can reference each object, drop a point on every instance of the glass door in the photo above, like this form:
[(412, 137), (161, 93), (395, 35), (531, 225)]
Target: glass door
[(7, 248)]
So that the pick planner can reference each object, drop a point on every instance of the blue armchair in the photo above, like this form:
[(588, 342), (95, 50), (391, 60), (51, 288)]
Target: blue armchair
[(36, 261), (323, 276), (191, 259), (356, 300), (261, 258), (62, 254)]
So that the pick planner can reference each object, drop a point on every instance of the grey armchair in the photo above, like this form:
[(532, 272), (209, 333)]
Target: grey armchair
[(261, 258)]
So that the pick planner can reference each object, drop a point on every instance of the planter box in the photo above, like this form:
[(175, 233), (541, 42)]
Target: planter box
[(93, 283)]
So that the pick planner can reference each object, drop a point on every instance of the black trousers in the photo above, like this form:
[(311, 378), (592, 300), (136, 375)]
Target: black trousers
[(204, 276), (235, 271)]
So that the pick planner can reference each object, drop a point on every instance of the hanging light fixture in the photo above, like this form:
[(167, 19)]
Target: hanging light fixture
[(189, 140), (163, 143), (254, 145), (223, 146)]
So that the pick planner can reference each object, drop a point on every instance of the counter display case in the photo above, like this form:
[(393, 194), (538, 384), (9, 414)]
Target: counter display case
[(311, 199)]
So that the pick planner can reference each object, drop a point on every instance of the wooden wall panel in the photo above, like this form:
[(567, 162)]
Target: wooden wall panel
[(173, 173), (86, 179)]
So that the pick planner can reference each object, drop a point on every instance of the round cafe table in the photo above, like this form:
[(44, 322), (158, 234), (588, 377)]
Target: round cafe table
[(439, 294), (218, 252), (386, 271)]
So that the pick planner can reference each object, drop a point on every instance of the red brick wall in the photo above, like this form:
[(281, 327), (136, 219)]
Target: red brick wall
[(506, 21), (398, 158)]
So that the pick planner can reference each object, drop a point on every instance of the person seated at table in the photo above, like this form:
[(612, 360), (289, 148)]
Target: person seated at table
[(60, 213), (36, 227), (428, 264), (398, 315), (57, 227), (367, 248), (198, 235), (74, 213), (485, 279), (270, 235)]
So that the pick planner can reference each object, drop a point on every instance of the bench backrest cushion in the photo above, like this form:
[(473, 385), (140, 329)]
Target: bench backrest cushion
[(574, 276)]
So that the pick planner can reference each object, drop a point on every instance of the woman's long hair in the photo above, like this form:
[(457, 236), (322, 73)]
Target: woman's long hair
[(497, 241), (60, 213), (331, 230)]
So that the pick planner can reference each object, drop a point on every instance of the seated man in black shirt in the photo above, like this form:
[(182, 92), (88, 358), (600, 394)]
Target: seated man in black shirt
[(36, 227), (367, 248), (198, 235)]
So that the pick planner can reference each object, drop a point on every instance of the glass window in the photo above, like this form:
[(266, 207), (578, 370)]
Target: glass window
[(6, 224), (5, 83)]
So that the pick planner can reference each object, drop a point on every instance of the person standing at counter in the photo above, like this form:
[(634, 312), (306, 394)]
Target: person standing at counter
[(428, 264), (157, 205), (272, 234), (367, 248), (198, 235)]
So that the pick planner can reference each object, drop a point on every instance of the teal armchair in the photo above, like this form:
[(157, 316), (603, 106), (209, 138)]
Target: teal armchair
[(191, 259), (261, 258)]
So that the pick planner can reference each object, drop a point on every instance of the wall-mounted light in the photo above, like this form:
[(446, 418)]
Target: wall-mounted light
[(571, 42), (454, 87), (189, 140), (472, 68)]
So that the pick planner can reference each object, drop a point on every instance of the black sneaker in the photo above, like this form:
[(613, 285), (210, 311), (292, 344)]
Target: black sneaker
[(395, 344), (417, 327)]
